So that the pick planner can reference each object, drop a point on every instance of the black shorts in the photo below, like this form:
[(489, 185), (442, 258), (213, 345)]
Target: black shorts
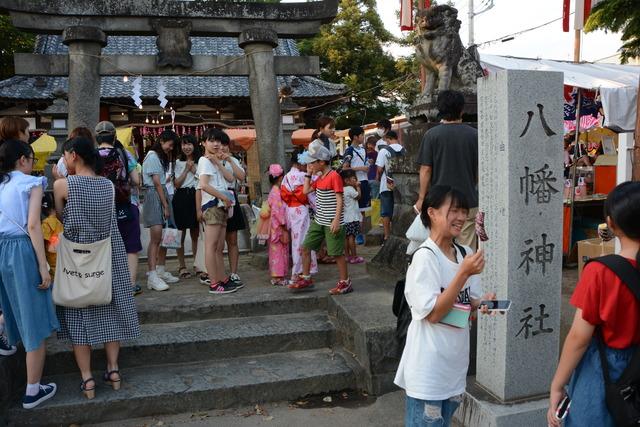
[(184, 208), (364, 202), (352, 228), (237, 221)]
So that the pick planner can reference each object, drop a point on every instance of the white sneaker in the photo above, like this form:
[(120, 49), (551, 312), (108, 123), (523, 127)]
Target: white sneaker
[(166, 276), (156, 283)]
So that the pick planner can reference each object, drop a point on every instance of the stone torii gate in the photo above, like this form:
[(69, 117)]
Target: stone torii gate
[(85, 24)]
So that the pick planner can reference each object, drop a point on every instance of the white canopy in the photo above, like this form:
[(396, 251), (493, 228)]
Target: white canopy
[(618, 84)]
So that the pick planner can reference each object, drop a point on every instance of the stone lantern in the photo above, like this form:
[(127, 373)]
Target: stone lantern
[(290, 112), (58, 113)]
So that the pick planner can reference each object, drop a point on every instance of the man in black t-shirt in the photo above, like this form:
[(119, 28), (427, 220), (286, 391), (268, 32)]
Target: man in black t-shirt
[(449, 155)]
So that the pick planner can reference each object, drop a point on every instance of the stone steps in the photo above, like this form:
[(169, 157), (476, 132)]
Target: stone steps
[(192, 341), (198, 386), (197, 304)]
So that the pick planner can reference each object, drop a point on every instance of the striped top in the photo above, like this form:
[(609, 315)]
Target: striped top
[(326, 189)]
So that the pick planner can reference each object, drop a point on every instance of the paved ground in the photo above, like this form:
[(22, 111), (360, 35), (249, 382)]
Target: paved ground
[(387, 411), (343, 410)]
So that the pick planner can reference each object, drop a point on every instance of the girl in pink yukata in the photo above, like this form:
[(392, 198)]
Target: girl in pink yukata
[(278, 233), (298, 217)]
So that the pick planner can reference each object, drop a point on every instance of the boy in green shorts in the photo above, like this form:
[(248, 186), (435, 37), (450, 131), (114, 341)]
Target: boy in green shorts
[(328, 224)]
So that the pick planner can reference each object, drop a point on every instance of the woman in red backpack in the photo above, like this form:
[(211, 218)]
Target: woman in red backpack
[(606, 308)]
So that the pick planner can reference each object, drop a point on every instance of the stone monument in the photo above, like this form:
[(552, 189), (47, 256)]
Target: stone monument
[(520, 184), (445, 61)]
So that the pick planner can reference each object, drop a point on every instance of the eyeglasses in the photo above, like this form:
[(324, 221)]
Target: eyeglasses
[(34, 158)]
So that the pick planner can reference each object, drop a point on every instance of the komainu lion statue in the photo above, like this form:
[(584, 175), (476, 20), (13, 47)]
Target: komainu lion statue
[(440, 50)]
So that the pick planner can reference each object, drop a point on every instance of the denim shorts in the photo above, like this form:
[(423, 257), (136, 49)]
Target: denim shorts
[(386, 204), (586, 388), (430, 413), (375, 188)]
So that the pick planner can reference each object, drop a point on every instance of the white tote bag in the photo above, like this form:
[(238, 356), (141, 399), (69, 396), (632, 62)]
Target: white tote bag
[(170, 237), (83, 273), (417, 234), (198, 262)]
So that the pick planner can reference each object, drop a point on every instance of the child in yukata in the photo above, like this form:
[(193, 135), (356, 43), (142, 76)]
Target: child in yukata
[(298, 216), (278, 232)]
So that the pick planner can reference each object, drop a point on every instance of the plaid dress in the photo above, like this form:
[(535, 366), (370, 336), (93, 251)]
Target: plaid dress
[(89, 216)]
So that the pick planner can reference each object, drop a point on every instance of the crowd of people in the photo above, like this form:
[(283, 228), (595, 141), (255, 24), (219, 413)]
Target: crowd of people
[(313, 213), (102, 194)]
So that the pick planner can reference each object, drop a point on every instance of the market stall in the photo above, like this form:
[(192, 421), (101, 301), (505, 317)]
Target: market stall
[(600, 103)]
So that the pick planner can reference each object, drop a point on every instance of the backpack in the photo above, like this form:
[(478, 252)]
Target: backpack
[(114, 163), (400, 306), (623, 396), (393, 152)]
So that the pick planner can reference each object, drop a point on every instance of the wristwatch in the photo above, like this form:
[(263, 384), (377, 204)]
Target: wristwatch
[(308, 176)]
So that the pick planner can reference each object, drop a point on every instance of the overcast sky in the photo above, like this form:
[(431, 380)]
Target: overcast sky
[(510, 16)]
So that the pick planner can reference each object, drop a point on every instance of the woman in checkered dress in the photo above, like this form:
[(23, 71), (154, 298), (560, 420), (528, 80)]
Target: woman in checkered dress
[(87, 207)]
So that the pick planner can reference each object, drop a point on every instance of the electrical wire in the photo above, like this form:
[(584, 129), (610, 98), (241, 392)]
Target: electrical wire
[(521, 32)]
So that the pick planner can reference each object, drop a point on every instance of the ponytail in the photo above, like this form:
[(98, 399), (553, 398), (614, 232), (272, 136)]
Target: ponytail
[(86, 150), (11, 150)]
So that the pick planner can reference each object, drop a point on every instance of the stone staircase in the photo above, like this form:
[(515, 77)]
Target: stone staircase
[(201, 352)]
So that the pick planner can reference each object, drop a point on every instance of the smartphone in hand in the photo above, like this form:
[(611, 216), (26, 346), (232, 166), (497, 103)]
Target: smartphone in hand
[(563, 408), (497, 305)]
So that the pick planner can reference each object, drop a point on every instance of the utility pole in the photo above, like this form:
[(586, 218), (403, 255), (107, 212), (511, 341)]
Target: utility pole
[(471, 30), (488, 4)]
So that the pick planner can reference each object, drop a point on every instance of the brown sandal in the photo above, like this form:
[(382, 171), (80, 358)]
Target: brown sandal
[(108, 378), (89, 393), (184, 273)]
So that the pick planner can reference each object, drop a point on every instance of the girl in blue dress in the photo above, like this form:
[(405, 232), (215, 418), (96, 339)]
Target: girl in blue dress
[(25, 294)]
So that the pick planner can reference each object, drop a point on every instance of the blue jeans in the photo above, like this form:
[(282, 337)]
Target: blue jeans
[(430, 413), (586, 388)]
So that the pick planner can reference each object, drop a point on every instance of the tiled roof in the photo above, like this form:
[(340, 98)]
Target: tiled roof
[(146, 45), (32, 88)]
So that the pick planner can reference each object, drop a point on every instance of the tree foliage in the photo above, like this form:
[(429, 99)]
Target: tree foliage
[(619, 16), (351, 52), (12, 41)]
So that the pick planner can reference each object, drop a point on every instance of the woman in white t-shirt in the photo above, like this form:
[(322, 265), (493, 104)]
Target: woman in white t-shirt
[(434, 363), (184, 198)]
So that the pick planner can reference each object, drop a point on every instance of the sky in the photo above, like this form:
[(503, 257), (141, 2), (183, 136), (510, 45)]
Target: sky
[(510, 16)]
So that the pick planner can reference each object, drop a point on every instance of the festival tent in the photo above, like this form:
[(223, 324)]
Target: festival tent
[(42, 149), (242, 137), (617, 84), (125, 136), (302, 136)]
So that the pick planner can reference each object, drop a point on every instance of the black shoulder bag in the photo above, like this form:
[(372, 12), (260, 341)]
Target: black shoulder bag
[(622, 396), (400, 305)]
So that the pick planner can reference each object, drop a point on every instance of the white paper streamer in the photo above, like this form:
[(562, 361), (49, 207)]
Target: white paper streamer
[(162, 93), (137, 91)]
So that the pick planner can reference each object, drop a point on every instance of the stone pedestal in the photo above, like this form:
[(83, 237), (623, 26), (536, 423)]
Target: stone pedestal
[(258, 44), (425, 109), (85, 46), (520, 168)]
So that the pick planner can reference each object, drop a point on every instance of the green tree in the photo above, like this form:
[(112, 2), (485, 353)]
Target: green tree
[(12, 41), (619, 16), (351, 52)]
